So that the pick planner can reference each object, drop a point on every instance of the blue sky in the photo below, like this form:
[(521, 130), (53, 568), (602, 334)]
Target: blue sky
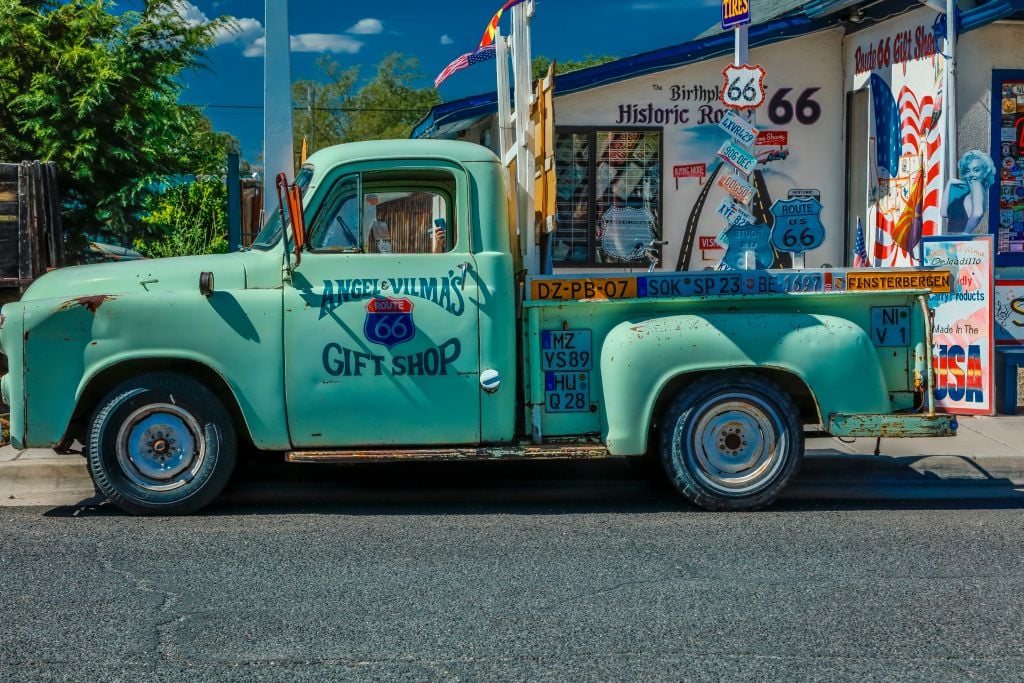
[(362, 33)]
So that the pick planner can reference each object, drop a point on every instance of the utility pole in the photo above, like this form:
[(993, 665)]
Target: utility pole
[(278, 154)]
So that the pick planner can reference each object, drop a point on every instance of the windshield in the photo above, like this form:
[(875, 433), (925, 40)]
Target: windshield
[(271, 231)]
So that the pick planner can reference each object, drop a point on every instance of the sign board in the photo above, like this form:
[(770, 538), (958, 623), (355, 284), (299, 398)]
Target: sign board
[(937, 281), (962, 337), (735, 13), (737, 157), (708, 243), (890, 325), (566, 351), (803, 192), (741, 131), (721, 283), (744, 86), (735, 213), (690, 171), (797, 225), (566, 360), (772, 138), (741, 190), (1009, 312)]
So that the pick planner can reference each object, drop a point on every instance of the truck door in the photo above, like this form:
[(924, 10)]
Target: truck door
[(381, 318)]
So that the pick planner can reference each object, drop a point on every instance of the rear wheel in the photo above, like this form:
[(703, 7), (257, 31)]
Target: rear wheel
[(161, 444), (732, 443)]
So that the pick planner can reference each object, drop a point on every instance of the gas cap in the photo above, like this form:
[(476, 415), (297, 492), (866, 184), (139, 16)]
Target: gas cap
[(490, 380)]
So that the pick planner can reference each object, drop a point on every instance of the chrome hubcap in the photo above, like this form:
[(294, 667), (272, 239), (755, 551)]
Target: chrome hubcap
[(735, 444), (160, 447)]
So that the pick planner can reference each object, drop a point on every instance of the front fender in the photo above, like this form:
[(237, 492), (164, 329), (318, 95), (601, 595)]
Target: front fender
[(832, 356), (66, 343)]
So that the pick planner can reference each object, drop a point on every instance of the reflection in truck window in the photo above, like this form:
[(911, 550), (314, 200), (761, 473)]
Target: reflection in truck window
[(387, 213)]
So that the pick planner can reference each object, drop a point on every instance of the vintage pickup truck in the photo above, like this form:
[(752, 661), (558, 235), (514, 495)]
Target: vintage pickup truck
[(399, 324)]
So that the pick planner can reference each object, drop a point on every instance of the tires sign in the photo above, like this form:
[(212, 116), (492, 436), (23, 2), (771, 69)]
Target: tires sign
[(735, 13), (798, 225), (389, 321), (744, 86)]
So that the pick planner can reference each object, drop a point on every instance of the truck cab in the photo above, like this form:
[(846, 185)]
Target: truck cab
[(399, 322)]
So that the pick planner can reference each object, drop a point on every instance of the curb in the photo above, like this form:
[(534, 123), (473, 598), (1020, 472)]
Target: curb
[(826, 475)]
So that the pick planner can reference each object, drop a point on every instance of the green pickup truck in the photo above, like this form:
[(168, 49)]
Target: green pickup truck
[(400, 324)]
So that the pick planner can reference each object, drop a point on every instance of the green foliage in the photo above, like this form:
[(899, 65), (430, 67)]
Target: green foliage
[(187, 219), (539, 65), (387, 106), (97, 93)]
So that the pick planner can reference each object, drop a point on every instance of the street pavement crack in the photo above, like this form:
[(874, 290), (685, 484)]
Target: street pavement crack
[(161, 641)]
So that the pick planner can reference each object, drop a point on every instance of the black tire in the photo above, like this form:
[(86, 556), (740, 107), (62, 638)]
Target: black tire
[(732, 442), (161, 444)]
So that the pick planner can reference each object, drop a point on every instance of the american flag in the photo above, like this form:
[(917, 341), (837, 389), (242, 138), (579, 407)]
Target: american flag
[(860, 252), (469, 59)]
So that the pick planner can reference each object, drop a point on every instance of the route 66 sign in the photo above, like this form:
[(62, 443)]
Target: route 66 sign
[(744, 86), (744, 240), (797, 224), (389, 321)]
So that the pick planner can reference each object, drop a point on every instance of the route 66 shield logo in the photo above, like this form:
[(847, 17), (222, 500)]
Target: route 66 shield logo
[(744, 86), (797, 226), (389, 321)]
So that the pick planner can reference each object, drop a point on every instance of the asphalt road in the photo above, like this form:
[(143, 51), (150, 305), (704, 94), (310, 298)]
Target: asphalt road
[(461, 577)]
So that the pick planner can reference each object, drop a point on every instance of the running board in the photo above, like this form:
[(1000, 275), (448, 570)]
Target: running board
[(513, 452)]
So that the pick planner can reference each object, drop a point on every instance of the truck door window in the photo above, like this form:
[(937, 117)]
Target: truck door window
[(387, 212)]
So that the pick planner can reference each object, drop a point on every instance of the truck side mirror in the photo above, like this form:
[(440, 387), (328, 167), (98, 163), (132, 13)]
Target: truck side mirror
[(291, 195)]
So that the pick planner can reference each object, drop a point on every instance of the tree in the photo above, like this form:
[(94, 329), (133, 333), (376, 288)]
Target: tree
[(540, 63), (318, 114), (190, 218), (97, 93), (387, 106)]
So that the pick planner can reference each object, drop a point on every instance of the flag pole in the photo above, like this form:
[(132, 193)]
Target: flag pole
[(525, 163), (278, 155)]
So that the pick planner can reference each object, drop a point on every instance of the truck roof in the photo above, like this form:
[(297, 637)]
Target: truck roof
[(452, 150)]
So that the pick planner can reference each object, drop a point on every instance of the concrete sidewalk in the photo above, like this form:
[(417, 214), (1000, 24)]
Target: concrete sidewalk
[(984, 461)]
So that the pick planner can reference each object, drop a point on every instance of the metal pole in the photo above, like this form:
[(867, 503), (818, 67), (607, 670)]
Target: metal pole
[(234, 181), (278, 154), (951, 120), (525, 163)]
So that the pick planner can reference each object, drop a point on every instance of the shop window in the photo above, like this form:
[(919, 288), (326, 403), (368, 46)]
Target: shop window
[(608, 195), (384, 214), (1006, 195)]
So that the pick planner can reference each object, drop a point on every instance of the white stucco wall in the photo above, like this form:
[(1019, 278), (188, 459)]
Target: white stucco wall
[(815, 149)]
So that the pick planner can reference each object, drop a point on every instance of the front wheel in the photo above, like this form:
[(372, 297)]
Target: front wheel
[(161, 444), (732, 443)]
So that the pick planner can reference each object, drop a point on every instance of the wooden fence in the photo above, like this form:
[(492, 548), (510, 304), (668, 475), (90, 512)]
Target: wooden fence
[(31, 235)]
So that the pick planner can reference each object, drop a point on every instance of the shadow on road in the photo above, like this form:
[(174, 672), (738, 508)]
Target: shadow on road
[(265, 484)]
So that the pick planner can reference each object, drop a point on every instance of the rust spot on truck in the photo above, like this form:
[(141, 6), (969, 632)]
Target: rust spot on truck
[(92, 303)]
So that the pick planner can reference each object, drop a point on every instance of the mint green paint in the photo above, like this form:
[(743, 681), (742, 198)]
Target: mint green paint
[(265, 331), (831, 355)]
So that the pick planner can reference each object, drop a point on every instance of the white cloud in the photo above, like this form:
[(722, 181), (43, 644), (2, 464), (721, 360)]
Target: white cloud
[(309, 42), (244, 30), (366, 27), (446, 40), (250, 34), (325, 42)]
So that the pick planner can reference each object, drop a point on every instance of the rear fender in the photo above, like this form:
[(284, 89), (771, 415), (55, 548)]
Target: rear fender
[(832, 356)]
